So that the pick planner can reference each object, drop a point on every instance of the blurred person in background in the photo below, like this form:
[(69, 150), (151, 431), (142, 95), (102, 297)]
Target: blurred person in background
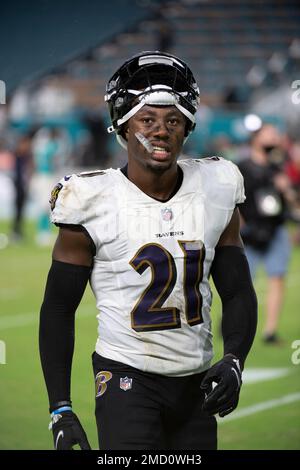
[(263, 216), (21, 173), (292, 170), (45, 151), (7, 191), (165, 32), (6, 157)]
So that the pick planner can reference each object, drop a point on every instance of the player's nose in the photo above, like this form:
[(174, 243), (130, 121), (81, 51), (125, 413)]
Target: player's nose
[(161, 129)]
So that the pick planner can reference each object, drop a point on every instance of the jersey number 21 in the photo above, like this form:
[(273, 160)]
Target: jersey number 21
[(148, 313)]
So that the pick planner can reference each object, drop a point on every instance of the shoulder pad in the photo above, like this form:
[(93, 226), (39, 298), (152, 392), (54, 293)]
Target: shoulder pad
[(207, 159), (76, 198), (214, 158), (88, 174)]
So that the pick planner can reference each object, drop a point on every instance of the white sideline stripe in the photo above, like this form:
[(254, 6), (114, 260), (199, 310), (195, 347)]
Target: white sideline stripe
[(23, 319), (266, 405), (254, 375), (15, 321)]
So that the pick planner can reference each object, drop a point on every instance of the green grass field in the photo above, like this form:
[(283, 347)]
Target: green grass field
[(268, 416)]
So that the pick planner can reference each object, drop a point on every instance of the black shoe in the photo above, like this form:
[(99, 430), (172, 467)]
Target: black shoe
[(272, 338)]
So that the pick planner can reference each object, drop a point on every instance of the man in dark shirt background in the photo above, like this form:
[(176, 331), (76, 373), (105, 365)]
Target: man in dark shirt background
[(22, 171), (263, 218)]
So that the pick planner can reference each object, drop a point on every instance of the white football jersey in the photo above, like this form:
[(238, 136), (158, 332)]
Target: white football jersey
[(152, 262)]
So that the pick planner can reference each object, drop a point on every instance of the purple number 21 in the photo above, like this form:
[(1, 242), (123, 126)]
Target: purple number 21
[(148, 313)]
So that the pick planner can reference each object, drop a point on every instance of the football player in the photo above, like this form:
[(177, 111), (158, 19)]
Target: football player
[(147, 237)]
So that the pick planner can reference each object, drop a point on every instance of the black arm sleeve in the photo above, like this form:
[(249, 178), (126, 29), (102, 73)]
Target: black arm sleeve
[(64, 289), (231, 275)]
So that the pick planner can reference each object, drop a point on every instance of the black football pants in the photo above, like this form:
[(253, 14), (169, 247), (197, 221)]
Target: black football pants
[(139, 411)]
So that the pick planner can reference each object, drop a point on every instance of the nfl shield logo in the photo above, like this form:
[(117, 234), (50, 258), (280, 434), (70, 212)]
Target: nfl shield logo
[(167, 214), (125, 383)]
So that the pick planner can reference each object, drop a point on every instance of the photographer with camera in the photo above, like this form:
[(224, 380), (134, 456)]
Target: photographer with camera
[(263, 216)]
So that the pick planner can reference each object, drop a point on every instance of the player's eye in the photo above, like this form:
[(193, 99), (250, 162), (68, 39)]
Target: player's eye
[(147, 120), (174, 121)]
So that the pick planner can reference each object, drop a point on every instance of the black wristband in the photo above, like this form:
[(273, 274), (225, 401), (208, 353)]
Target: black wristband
[(59, 404)]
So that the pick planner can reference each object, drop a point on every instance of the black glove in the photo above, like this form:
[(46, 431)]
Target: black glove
[(224, 398), (67, 432)]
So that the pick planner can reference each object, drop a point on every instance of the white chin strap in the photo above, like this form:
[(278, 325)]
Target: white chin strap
[(164, 96), (122, 141)]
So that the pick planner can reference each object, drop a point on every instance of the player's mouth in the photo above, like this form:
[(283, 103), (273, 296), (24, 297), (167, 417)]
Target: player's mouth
[(160, 153)]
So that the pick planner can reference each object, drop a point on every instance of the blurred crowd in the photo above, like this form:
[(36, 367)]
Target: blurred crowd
[(31, 163)]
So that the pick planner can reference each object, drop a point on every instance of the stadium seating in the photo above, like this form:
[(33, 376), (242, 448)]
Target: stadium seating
[(220, 40)]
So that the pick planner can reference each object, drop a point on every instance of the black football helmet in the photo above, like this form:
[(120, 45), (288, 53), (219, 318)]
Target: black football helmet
[(153, 78)]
